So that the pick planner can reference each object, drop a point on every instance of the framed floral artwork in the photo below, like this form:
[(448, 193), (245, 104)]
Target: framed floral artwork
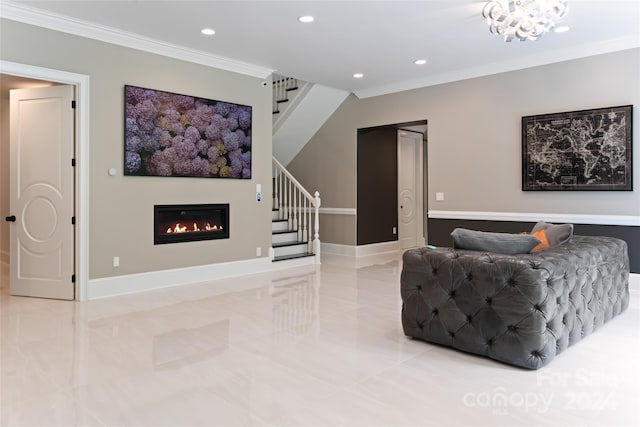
[(169, 134)]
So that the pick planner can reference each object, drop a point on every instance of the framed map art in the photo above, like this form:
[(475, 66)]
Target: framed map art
[(579, 150)]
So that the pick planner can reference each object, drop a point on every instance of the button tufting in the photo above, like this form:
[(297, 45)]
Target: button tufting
[(435, 271), (434, 312), (452, 334), (488, 300), (452, 294), (537, 307), (512, 328), (469, 318), (490, 342), (511, 281), (536, 353), (419, 287)]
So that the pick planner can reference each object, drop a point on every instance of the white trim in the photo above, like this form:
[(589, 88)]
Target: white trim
[(545, 58), (377, 248), (360, 251), (141, 282), (81, 82), (624, 220), (634, 282), (65, 24), (337, 211), (336, 249)]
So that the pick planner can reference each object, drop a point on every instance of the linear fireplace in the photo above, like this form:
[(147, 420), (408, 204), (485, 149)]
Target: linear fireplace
[(190, 223)]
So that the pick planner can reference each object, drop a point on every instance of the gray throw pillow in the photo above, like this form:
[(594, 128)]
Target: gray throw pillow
[(557, 234), (502, 243)]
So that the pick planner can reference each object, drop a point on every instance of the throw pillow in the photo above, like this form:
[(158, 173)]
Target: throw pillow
[(544, 241), (556, 234), (502, 243)]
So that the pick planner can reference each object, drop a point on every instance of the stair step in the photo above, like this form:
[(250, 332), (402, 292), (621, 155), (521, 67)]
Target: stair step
[(290, 248), (296, 256), (282, 101), (285, 244), (279, 226), (289, 89), (283, 237)]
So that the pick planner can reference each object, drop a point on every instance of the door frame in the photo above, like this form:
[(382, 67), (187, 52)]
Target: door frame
[(81, 82), (418, 182)]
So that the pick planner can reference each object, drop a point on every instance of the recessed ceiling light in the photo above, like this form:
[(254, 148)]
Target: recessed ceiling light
[(358, 75), (561, 29), (306, 19), (208, 31), (420, 61)]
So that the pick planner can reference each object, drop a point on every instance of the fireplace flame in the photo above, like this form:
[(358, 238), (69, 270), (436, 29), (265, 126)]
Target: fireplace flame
[(178, 228)]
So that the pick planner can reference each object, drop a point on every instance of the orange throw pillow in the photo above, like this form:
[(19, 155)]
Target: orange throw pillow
[(544, 242)]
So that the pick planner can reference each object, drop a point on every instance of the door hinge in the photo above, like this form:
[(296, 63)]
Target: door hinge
[(73, 163), (73, 220), (73, 278), (73, 104)]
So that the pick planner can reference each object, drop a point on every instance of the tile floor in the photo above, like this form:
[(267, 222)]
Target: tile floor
[(300, 347)]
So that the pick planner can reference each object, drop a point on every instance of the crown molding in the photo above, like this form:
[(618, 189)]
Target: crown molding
[(550, 57), (51, 21)]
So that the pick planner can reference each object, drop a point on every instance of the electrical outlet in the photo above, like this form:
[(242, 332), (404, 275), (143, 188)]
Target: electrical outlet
[(258, 251), (439, 196), (116, 261), (395, 230)]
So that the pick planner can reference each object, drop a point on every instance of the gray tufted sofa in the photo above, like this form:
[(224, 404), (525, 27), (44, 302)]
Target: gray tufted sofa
[(519, 309)]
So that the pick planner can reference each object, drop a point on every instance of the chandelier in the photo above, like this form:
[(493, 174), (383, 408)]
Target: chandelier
[(523, 19)]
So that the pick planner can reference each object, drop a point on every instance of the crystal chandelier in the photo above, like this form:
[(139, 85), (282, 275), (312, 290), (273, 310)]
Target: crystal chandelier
[(523, 19)]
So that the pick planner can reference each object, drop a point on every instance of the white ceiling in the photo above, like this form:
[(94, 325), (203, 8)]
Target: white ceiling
[(378, 38)]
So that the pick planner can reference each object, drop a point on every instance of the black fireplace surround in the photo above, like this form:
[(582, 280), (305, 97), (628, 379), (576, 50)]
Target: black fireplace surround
[(190, 223)]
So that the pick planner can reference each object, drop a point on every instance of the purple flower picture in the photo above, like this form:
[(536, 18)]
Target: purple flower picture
[(167, 134)]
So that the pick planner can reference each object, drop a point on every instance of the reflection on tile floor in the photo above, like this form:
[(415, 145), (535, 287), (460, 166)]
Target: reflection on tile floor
[(318, 346)]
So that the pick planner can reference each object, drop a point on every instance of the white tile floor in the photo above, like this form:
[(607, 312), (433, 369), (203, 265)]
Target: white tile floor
[(305, 346)]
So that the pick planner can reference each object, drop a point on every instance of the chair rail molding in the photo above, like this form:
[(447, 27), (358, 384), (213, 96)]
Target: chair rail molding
[(624, 220)]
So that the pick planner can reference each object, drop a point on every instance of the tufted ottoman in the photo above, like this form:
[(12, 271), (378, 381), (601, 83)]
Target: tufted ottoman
[(519, 309)]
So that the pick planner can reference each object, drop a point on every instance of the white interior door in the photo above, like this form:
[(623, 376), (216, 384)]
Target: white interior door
[(42, 192), (409, 189)]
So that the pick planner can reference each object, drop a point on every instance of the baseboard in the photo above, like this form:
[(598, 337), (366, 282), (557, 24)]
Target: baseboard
[(140, 282), (634, 282), (361, 250), (336, 249)]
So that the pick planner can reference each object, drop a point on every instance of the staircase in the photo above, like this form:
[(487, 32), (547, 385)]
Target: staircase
[(295, 222), (288, 92), (282, 86)]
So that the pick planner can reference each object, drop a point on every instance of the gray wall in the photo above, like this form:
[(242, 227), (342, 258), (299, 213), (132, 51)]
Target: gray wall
[(474, 150), (121, 208)]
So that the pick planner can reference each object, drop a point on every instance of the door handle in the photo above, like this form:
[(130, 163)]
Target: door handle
[(11, 218)]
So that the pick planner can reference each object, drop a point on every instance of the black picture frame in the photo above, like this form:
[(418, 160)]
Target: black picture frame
[(585, 150), (174, 135)]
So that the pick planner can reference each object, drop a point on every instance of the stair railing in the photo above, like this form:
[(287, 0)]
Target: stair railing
[(298, 207)]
